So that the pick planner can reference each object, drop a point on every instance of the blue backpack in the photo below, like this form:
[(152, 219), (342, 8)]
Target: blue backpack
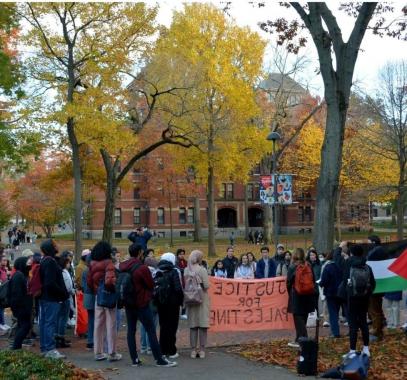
[(106, 298), (355, 366)]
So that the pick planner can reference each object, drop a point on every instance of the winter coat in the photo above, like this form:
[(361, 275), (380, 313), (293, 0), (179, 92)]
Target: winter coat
[(21, 302), (140, 239), (198, 315), (100, 270), (316, 269), (261, 266), (282, 269), (377, 253), (53, 286), (78, 274), (230, 266), (244, 272), (142, 280), (298, 304), (331, 279), (177, 294), (394, 296)]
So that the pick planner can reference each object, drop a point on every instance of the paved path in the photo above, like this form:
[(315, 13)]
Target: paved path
[(217, 365)]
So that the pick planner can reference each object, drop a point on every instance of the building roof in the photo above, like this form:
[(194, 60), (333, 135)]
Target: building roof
[(276, 81)]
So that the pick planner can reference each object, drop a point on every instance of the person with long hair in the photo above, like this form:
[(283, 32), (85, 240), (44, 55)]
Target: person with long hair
[(102, 269), (299, 305), (198, 315), (252, 261), (282, 267), (218, 270), (244, 270)]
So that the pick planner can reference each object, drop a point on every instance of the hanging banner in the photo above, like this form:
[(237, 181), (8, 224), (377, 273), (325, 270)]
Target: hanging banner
[(284, 189), (242, 305)]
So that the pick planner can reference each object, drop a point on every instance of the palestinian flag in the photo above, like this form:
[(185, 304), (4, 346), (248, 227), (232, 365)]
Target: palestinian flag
[(390, 274)]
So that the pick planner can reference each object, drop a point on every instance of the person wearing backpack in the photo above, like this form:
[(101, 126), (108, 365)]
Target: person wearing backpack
[(138, 308), (21, 303), (53, 293), (89, 300), (198, 308), (169, 297), (330, 280), (302, 298), (360, 287), (101, 279)]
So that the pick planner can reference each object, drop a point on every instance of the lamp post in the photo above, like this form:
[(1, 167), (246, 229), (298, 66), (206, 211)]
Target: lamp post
[(274, 137)]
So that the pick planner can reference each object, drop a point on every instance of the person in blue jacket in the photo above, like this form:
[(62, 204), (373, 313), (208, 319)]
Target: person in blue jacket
[(266, 267), (140, 236)]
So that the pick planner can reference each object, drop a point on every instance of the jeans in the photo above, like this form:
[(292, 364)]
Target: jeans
[(169, 318), (1, 316), (144, 342), (334, 304), (63, 316), (48, 324), (357, 312), (146, 318), (376, 314), (91, 324), (23, 328)]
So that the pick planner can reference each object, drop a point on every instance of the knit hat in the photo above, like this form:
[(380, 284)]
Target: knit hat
[(27, 253), (86, 252), (168, 257)]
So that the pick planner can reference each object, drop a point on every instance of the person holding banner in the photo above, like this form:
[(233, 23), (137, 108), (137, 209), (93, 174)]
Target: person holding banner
[(244, 270), (198, 313), (266, 267), (230, 262)]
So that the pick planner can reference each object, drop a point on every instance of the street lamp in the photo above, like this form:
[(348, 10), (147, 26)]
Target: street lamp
[(274, 137)]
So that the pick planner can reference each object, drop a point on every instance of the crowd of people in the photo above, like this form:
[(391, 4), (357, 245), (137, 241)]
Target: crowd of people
[(153, 292), (17, 236)]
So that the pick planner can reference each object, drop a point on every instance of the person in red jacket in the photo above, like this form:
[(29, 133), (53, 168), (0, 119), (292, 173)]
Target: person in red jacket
[(102, 268), (139, 310)]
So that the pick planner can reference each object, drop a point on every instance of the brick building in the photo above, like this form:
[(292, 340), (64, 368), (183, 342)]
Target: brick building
[(233, 212)]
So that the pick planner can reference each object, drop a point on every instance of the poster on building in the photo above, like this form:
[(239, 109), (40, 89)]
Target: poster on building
[(242, 305), (284, 189)]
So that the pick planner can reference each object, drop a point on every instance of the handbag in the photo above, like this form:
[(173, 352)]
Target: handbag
[(105, 297)]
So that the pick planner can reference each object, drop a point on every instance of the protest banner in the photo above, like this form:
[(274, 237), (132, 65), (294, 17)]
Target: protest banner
[(242, 305)]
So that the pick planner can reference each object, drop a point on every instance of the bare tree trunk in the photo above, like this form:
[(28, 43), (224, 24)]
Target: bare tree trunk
[(338, 218), (211, 213), (246, 214), (400, 213), (171, 223), (268, 224), (77, 175), (197, 219)]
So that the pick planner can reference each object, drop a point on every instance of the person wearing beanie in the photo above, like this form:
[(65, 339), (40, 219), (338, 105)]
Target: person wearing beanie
[(21, 302), (170, 299), (53, 292)]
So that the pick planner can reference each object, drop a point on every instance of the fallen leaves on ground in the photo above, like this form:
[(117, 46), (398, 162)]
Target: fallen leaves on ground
[(388, 362)]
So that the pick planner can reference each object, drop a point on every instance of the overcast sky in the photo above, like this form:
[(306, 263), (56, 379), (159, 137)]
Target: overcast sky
[(375, 51)]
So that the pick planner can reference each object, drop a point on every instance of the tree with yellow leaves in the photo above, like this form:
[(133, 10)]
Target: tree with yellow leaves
[(220, 65)]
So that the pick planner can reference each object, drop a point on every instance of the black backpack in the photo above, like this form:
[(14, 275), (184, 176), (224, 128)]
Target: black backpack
[(163, 287), (359, 281), (125, 287), (5, 294)]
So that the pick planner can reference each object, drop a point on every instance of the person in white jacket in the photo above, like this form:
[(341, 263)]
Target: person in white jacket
[(244, 269)]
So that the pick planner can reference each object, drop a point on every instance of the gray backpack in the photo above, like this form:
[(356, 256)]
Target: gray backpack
[(359, 281), (193, 292)]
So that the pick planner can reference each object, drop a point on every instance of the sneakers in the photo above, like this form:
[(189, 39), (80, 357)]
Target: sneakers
[(193, 354), (54, 354), (100, 357), (201, 354), (165, 363), (184, 317), (325, 324), (115, 357), (293, 345), (346, 324), (350, 354), (137, 363), (176, 355), (71, 322), (5, 327), (366, 351)]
